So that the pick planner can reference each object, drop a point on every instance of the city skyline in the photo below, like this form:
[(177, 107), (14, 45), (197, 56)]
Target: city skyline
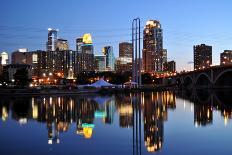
[(22, 30)]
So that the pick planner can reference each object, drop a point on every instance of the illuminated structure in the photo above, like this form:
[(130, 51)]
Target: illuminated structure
[(110, 60), (203, 115), (125, 49), (100, 62), (123, 64), (52, 39), (226, 57), (124, 61), (62, 45), (4, 58), (153, 122), (153, 54), (170, 66), (202, 56), (85, 55)]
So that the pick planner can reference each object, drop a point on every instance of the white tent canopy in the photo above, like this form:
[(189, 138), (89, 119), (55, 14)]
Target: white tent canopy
[(101, 83)]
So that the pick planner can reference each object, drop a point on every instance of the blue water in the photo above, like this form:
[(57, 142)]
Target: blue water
[(161, 123)]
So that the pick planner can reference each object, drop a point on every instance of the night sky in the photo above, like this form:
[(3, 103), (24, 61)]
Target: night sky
[(24, 24)]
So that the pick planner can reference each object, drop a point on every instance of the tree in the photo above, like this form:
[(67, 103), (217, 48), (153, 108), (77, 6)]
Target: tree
[(21, 77)]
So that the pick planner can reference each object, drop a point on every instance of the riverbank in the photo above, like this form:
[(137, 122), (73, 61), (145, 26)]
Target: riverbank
[(36, 92)]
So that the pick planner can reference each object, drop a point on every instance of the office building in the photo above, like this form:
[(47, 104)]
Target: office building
[(123, 64), (226, 57), (110, 60), (170, 66), (153, 53), (125, 49), (21, 56), (85, 55), (100, 63), (202, 56), (62, 45), (52, 39)]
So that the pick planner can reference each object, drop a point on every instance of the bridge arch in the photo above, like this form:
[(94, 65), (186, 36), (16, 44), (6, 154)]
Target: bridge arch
[(188, 81), (224, 78), (203, 80)]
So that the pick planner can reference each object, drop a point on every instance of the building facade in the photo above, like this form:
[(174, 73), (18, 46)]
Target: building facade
[(100, 63), (125, 49), (85, 54), (202, 56), (226, 57), (170, 66), (52, 39), (153, 53), (62, 45), (110, 60)]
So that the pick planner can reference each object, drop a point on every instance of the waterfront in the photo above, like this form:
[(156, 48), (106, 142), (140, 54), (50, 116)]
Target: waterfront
[(188, 122)]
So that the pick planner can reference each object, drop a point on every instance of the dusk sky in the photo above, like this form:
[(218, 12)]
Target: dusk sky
[(24, 23)]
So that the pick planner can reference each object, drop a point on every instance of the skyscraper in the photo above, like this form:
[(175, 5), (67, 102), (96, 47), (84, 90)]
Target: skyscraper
[(85, 55), (124, 61), (202, 56), (153, 46), (110, 60), (226, 57), (125, 49), (52, 39)]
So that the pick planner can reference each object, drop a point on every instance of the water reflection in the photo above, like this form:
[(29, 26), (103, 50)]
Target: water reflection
[(144, 113)]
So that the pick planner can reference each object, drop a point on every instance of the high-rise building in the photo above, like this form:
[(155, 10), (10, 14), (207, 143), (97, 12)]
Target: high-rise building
[(62, 45), (110, 60), (202, 56), (100, 62), (226, 57), (125, 49), (52, 39), (153, 54), (85, 55), (170, 66)]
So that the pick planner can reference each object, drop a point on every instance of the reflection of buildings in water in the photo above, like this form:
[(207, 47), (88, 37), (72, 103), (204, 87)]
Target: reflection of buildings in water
[(227, 114), (203, 115), (4, 111), (110, 109), (153, 121), (125, 115), (125, 110)]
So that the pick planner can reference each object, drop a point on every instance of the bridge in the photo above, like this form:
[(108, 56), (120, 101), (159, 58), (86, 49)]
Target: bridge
[(213, 77)]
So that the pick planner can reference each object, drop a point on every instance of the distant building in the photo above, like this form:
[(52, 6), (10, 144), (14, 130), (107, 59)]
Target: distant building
[(85, 55), (62, 45), (21, 56), (100, 62), (12, 69), (153, 53), (123, 64), (170, 66), (52, 39), (202, 56), (4, 58), (110, 60), (125, 49), (226, 57)]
